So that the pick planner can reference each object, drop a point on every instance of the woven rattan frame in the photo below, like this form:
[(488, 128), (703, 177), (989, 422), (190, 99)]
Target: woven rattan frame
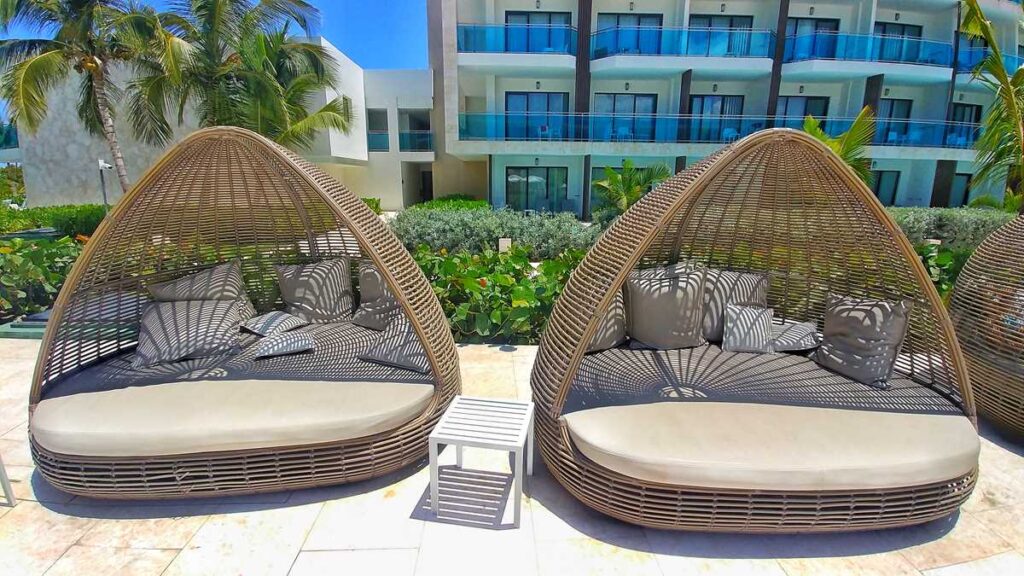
[(226, 193), (779, 203), (988, 312)]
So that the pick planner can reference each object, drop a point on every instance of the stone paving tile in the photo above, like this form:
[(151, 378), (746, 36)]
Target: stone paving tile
[(1007, 523), (15, 452), (684, 553), (33, 537), (944, 542), (258, 542), (885, 564), (112, 562), (383, 562), (141, 527), (595, 557), (30, 485), (999, 565)]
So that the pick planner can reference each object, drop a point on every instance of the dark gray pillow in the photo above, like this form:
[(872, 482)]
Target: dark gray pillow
[(747, 329), (172, 331), (273, 322), (665, 311), (862, 337), (221, 282), (320, 292), (398, 346), (611, 329), (284, 343), (724, 287), (794, 336), (377, 306)]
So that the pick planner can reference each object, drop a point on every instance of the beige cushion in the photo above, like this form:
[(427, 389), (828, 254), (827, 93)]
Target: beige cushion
[(318, 292), (217, 415), (611, 329), (772, 447), (665, 309)]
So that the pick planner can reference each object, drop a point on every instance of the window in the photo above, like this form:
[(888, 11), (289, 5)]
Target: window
[(886, 183), (625, 116), (960, 193), (541, 188), (377, 130), (893, 114), (627, 34), (812, 38), (720, 35), (346, 106), (964, 129), (715, 118), (537, 31), (793, 109), (893, 46), (536, 115)]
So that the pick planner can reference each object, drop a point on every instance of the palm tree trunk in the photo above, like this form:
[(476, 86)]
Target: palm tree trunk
[(99, 86)]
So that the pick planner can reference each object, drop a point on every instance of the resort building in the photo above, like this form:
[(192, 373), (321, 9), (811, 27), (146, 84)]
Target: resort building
[(527, 102)]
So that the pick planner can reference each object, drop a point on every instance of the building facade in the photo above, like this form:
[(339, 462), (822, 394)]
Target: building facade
[(538, 97)]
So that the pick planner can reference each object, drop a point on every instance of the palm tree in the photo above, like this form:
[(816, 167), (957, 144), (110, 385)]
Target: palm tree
[(244, 70), (1001, 142), (88, 36), (621, 189), (851, 145)]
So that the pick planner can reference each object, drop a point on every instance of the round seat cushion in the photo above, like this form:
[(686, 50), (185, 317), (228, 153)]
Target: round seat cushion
[(750, 446), (201, 416)]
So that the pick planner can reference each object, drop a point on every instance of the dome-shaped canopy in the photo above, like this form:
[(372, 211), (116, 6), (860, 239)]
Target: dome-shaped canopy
[(777, 203), (227, 194), (988, 312)]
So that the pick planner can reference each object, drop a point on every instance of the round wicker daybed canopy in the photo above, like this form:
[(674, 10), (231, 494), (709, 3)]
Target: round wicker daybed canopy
[(701, 439), (224, 195), (988, 311)]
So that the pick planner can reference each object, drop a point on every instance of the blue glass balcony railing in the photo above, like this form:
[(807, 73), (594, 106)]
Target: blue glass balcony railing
[(377, 141), (867, 48), (8, 136), (416, 141), (517, 38), (658, 41), (969, 58), (670, 129)]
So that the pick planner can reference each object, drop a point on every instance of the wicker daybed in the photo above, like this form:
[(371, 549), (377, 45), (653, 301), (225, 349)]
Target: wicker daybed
[(988, 312), (231, 424), (703, 439)]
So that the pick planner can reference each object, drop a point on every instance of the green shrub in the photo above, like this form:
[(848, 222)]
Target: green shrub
[(957, 228), (496, 297), (32, 272), (70, 220), (374, 204), (475, 231), (457, 202)]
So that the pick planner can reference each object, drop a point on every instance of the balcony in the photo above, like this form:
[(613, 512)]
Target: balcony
[(9, 149), (904, 133), (377, 141), (824, 55), (969, 58), (416, 141), (517, 48), (725, 52)]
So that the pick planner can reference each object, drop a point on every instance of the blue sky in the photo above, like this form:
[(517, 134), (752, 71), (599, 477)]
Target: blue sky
[(374, 33)]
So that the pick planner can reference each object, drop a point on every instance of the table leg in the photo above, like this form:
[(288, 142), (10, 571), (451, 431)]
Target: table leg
[(434, 478), (529, 449), (5, 484), (458, 456), (518, 495)]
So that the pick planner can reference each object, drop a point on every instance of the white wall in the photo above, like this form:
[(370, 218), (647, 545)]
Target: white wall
[(334, 145)]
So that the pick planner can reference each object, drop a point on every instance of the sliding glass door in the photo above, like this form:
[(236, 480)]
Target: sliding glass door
[(537, 31), (893, 114), (625, 117), (540, 188), (715, 118), (537, 116), (628, 34), (720, 35)]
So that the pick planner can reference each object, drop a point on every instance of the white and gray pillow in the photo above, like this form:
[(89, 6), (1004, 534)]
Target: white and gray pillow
[(611, 328), (398, 346), (747, 329), (283, 343), (792, 336), (377, 305), (320, 292), (724, 287), (221, 282), (172, 331), (272, 323), (664, 310), (862, 337)]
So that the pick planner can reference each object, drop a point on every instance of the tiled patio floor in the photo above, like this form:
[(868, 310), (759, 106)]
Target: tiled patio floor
[(383, 527)]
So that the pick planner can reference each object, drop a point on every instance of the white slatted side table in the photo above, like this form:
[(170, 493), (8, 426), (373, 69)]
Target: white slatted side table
[(5, 485), (494, 424)]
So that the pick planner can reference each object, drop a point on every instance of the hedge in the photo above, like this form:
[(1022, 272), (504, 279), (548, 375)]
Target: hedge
[(957, 228), (455, 202), (70, 220)]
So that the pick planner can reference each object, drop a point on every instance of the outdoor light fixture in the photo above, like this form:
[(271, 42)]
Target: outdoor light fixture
[(538, 84), (886, 91), (810, 11), (103, 183), (800, 89), (961, 96), (714, 87), (538, 4), (536, 161), (627, 86), (630, 6), (722, 7), (897, 16)]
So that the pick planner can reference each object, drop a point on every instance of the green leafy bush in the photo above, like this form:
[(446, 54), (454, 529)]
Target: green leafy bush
[(374, 204), (957, 228), (70, 220), (496, 297), (32, 272), (455, 202), (943, 265), (475, 231)]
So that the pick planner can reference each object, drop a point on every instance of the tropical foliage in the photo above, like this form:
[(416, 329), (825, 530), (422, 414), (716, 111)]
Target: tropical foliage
[(32, 272), (1001, 142), (620, 189), (1012, 202), (71, 220), (852, 145)]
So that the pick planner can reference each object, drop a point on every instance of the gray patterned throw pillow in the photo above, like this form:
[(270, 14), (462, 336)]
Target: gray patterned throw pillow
[(611, 329), (664, 311), (794, 336), (398, 346), (747, 329), (273, 322), (284, 343), (377, 306), (320, 292), (724, 287), (221, 282), (862, 338), (172, 331)]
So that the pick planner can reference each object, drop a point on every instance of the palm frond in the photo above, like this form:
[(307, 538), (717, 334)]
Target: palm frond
[(332, 116), (25, 85)]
